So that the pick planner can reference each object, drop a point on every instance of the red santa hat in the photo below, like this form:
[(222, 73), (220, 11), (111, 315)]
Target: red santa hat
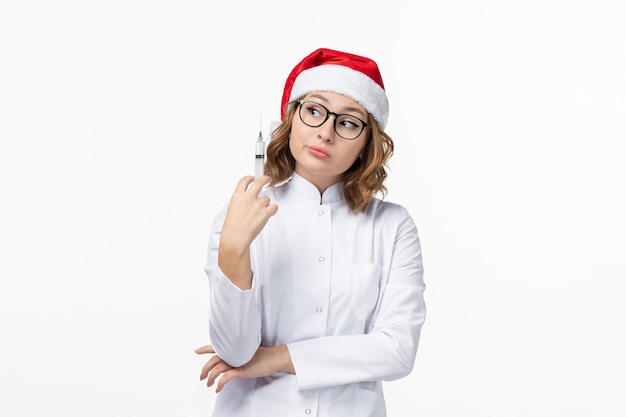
[(352, 75)]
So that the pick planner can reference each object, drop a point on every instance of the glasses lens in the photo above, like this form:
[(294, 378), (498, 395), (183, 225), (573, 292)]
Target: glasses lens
[(313, 114), (348, 127)]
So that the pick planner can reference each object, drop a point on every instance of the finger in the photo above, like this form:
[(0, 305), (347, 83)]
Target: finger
[(265, 201), (217, 370), (205, 349), (226, 377), (211, 363), (272, 209), (256, 185), (243, 183)]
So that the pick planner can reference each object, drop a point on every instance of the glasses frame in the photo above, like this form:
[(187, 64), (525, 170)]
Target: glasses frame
[(328, 114)]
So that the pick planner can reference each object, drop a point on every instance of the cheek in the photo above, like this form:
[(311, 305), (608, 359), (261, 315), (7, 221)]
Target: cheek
[(351, 155), (296, 137), (361, 150)]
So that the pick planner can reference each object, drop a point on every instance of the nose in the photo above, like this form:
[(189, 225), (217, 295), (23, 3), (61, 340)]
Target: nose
[(327, 129)]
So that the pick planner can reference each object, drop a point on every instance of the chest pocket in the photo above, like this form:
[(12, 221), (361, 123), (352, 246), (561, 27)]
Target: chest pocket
[(364, 290)]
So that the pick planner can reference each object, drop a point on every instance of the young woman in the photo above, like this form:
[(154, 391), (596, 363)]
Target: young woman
[(316, 283)]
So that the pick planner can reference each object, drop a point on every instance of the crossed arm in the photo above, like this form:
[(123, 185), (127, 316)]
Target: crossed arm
[(265, 362)]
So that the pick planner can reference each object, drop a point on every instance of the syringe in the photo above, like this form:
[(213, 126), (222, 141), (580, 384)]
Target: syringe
[(259, 158)]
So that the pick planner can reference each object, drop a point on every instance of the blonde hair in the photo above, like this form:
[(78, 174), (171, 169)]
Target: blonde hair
[(361, 182)]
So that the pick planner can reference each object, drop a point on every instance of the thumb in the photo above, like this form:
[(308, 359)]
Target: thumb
[(205, 349)]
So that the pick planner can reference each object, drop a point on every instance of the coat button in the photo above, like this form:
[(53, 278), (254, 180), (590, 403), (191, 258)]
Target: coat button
[(322, 259)]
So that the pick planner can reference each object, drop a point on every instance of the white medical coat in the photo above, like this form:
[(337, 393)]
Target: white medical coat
[(343, 291)]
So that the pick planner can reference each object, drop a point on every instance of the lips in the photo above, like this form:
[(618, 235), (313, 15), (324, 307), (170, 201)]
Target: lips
[(319, 152)]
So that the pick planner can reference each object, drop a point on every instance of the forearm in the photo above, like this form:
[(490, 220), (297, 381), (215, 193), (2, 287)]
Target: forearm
[(234, 261), (234, 321), (386, 353)]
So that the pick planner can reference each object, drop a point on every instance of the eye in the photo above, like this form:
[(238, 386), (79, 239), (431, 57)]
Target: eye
[(314, 110), (349, 122)]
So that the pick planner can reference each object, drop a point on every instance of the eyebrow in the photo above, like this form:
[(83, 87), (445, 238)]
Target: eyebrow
[(353, 109)]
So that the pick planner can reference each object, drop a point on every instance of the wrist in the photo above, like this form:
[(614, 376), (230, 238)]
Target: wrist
[(233, 246), (284, 360)]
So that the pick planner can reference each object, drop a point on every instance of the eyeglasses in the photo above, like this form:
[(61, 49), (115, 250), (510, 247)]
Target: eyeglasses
[(346, 126)]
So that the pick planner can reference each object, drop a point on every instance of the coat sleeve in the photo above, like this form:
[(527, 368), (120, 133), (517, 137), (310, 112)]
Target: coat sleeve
[(388, 351), (234, 318)]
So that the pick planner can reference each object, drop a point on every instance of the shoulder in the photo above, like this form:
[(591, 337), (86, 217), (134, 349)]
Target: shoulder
[(381, 208), (391, 216)]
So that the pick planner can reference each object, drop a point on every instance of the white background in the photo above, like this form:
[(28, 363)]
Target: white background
[(124, 126)]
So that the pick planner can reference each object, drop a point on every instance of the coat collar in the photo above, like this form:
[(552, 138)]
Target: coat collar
[(305, 190)]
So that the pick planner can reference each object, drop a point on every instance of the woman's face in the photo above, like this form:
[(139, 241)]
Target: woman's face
[(322, 156)]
